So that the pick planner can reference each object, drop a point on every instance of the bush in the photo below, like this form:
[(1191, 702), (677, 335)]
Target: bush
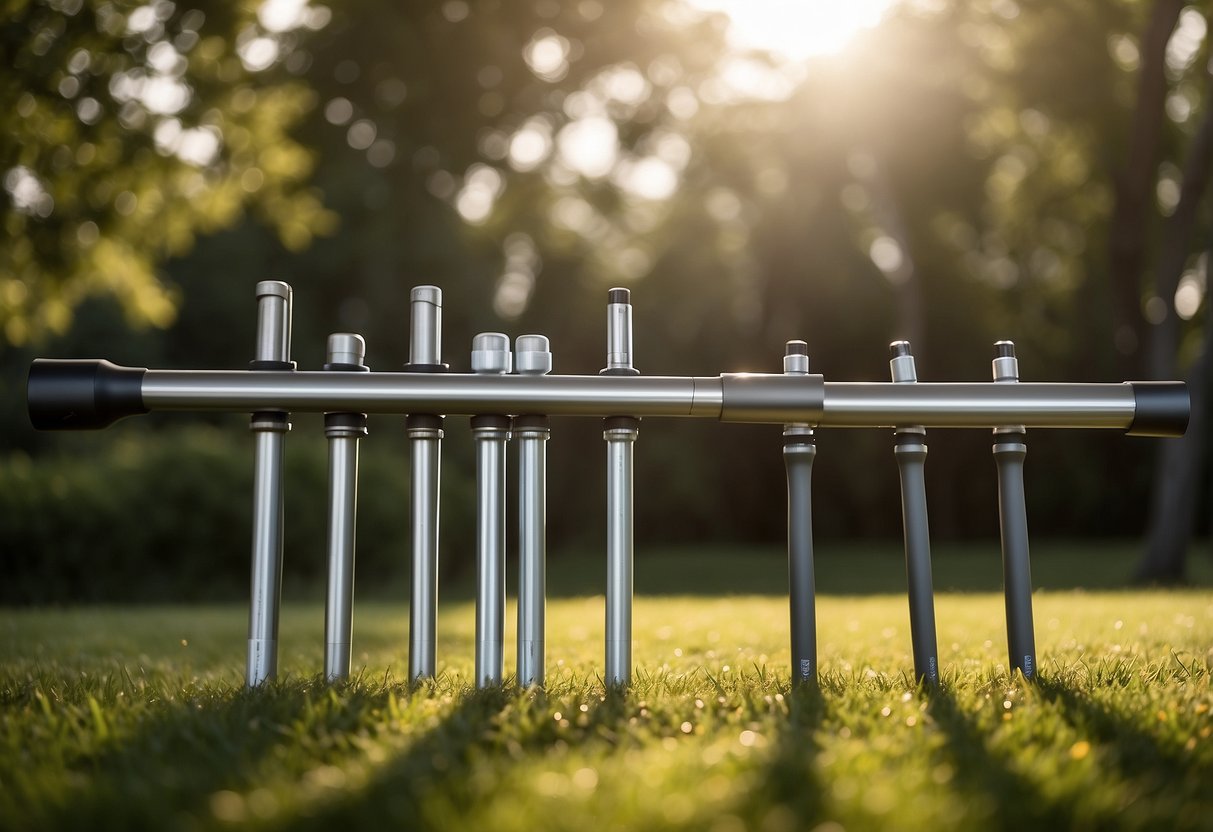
[(166, 516)]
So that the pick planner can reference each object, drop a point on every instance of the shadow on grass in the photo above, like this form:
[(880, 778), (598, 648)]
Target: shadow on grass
[(170, 767), (1152, 763), (789, 792), (1012, 802)]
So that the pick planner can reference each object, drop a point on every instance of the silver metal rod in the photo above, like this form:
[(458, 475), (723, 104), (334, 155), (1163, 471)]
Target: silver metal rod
[(932, 404), (490, 554), (532, 552), (425, 330), (269, 428), (490, 356), (425, 441), (620, 442), (424, 430), (339, 603), (267, 557), (345, 353), (844, 404), (532, 356)]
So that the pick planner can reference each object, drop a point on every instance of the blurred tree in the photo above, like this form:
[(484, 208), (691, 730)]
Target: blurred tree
[(130, 129)]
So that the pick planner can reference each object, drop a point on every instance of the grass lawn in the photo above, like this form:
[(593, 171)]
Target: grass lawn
[(136, 715)]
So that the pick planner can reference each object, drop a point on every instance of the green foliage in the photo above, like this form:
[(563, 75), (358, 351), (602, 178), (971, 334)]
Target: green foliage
[(130, 130), (167, 516), (132, 718)]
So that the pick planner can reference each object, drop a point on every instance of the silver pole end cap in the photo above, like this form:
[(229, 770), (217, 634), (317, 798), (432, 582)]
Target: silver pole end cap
[(796, 358), (274, 288), (346, 348), (1005, 365), (901, 365), (532, 356), (426, 294), (491, 353)]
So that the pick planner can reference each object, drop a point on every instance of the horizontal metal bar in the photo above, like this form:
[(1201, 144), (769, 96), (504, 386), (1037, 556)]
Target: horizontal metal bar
[(1039, 405), (446, 393), (85, 394)]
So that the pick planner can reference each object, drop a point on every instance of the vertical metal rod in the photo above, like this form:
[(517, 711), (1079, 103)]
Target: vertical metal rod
[(910, 450), (425, 444), (799, 450), (532, 357), (490, 356), (620, 433), (1010, 449), (269, 433), (345, 353)]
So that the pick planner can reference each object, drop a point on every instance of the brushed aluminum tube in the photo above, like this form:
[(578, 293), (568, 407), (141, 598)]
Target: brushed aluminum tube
[(425, 326), (1009, 456), (911, 458), (597, 395), (619, 335), (267, 557), (273, 347), (846, 404), (339, 602), (490, 555), (426, 450), (619, 556), (975, 405), (532, 553), (802, 594)]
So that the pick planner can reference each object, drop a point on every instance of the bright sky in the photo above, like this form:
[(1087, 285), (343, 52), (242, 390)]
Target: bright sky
[(797, 29)]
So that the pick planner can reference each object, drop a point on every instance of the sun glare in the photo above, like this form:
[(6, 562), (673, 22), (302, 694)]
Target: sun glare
[(796, 29)]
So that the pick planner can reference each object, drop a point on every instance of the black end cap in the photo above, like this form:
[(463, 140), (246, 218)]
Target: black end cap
[(422, 421), (490, 422), (619, 296), (1161, 408), (621, 423), (532, 421), (82, 394)]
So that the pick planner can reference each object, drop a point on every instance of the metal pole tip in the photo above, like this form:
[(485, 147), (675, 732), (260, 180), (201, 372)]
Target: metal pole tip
[(796, 348), (899, 348), (1004, 349), (276, 288), (618, 295), (426, 294)]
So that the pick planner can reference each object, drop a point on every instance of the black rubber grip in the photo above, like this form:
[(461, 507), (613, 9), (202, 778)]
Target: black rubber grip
[(1161, 408), (82, 394)]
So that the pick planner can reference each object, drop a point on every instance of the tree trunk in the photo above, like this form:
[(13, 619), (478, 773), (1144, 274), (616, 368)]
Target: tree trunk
[(1173, 500), (1173, 496), (1135, 183)]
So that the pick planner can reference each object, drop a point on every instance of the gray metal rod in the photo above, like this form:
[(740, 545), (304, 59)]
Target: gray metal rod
[(425, 469), (1016, 564), (620, 442), (798, 461), (911, 458), (339, 603), (910, 451), (1010, 449), (799, 450), (269, 435)]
